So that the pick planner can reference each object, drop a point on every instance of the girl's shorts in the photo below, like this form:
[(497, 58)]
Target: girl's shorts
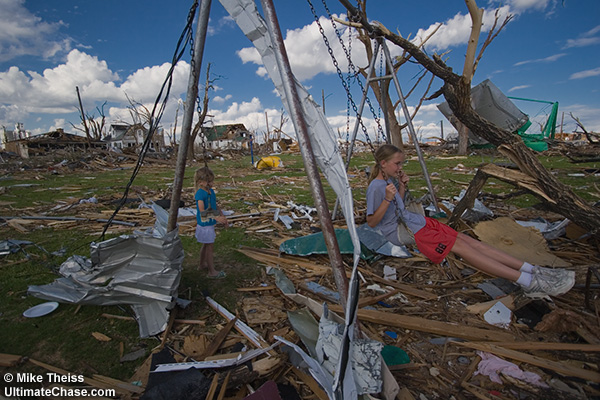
[(205, 234), (435, 240)]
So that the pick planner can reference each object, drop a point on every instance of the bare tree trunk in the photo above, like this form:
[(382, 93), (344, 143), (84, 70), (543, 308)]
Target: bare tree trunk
[(463, 138), (395, 132), (201, 117)]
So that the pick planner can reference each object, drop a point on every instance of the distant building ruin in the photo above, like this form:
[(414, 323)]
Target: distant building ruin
[(127, 137), (224, 137), (25, 145)]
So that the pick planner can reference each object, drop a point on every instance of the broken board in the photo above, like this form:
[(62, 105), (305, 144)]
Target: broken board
[(521, 242)]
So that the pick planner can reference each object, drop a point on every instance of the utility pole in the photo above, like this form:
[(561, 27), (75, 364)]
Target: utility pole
[(83, 119)]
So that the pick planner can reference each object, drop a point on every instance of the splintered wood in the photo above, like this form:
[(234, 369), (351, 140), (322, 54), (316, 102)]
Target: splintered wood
[(438, 320)]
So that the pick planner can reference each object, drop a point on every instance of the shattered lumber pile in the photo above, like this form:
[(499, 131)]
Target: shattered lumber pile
[(442, 345)]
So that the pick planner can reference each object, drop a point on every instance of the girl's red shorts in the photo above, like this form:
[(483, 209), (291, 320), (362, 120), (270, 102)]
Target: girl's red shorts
[(435, 240)]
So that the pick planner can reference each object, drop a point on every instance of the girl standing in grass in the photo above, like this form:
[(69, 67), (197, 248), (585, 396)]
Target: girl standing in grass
[(385, 209), (207, 216)]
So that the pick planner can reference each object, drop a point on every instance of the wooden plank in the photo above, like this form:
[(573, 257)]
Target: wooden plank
[(217, 340), (404, 288), (177, 321), (9, 360), (548, 346), (516, 178), (426, 325), (17, 226), (557, 366), (224, 386), (167, 331), (143, 372), (257, 288), (92, 382), (213, 387), (311, 383), (273, 257), (367, 301)]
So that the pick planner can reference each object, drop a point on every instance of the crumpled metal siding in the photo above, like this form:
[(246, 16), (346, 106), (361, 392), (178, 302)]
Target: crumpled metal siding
[(140, 270)]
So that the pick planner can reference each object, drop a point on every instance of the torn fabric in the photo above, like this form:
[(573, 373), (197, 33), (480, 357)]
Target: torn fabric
[(491, 366)]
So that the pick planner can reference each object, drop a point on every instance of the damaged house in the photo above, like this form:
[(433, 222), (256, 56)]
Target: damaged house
[(225, 137), (130, 137), (46, 142), (8, 136)]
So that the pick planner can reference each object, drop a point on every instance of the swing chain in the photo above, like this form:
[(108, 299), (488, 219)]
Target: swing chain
[(198, 101), (340, 74), (351, 65), (348, 97)]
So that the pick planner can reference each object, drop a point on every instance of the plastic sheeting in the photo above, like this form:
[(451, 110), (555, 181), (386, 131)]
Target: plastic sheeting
[(371, 240), (489, 102), (142, 270)]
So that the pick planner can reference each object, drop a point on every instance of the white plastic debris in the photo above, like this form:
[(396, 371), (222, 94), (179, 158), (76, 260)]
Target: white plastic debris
[(498, 315)]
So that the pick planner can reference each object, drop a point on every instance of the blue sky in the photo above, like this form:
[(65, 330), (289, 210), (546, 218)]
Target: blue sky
[(114, 49)]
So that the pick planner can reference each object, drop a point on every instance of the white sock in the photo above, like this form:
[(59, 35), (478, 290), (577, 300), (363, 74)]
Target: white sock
[(524, 279), (526, 267)]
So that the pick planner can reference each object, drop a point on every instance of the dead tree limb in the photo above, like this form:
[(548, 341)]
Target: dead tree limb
[(201, 116), (492, 33), (381, 88), (588, 136)]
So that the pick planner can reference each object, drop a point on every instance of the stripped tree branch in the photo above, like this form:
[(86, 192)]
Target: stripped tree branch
[(476, 18), (491, 36)]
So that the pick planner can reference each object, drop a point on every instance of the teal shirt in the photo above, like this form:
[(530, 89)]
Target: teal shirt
[(210, 201)]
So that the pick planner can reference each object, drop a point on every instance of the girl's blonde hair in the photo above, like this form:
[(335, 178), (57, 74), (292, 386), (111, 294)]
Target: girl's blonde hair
[(383, 153), (203, 174)]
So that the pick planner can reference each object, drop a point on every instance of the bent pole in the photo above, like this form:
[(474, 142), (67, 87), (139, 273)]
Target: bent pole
[(188, 116), (310, 165)]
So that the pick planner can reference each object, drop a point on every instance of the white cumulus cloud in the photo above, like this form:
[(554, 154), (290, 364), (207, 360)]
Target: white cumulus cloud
[(54, 90), (22, 33), (307, 52)]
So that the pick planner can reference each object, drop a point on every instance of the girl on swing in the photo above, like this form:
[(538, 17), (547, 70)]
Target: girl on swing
[(385, 206)]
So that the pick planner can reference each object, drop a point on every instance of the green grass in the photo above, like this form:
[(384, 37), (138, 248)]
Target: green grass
[(64, 338)]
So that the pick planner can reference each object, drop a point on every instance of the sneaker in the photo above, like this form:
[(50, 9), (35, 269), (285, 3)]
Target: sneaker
[(542, 286), (553, 273)]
